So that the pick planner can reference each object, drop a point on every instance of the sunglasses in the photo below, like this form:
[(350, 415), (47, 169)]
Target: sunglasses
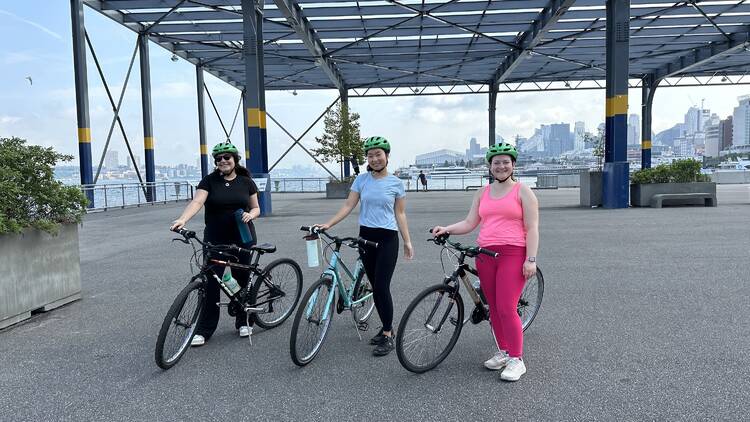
[(225, 157)]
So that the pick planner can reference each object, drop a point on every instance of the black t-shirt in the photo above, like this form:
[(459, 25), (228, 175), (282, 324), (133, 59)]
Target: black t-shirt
[(224, 198)]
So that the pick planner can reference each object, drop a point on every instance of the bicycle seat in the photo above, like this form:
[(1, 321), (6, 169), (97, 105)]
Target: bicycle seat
[(264, 248)]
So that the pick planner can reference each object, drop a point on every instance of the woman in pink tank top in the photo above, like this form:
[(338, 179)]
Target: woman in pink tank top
[(508, 212)]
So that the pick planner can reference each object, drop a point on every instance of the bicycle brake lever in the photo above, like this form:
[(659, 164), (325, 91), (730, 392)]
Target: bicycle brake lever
[(183, 240)]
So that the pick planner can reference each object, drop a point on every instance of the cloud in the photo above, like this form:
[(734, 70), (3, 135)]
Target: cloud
[(18, 58), (9, 120), (34, 24)]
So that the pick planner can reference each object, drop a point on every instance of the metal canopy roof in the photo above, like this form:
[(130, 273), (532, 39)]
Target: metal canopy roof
[(313, 44)]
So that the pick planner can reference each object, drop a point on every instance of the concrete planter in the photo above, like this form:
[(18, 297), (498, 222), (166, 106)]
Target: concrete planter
[(40, 272), (640, 195), (337, 190), (591, 189)]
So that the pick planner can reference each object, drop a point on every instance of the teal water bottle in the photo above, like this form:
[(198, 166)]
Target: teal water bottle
[(245, 235)]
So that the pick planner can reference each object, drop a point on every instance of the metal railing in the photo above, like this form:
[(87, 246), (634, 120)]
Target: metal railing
[(299, 184), (125, 195)]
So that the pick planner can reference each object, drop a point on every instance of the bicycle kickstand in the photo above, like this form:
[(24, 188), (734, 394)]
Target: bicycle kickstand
[(356, 327), (247, 321)]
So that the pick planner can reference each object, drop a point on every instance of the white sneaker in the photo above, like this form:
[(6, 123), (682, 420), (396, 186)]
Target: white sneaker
[(513, 370), (198, 340), (246, 331), (498, 361)]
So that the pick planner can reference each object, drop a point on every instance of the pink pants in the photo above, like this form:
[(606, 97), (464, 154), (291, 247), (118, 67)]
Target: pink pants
[(502, 282)]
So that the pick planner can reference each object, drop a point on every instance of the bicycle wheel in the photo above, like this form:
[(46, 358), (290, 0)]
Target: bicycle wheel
[(429, 328), (312, 322), (179, 325), (531, 299), (363, 310), (277, 291)]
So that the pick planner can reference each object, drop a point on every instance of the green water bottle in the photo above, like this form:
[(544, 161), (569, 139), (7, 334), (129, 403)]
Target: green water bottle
[(229, 282)]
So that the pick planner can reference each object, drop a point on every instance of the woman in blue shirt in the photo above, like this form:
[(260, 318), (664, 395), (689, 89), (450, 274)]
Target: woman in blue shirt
[(382, 216)]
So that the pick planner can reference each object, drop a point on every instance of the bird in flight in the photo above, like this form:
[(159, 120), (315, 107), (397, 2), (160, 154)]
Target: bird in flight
[(31, 82)]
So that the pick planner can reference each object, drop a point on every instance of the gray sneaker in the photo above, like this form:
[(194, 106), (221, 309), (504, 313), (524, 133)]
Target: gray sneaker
[(513, 370), (497, 362)]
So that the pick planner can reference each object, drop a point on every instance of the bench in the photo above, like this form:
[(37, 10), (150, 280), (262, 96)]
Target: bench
[(657, 200)]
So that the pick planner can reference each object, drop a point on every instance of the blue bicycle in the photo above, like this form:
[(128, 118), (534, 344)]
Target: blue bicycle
[(314, 316)]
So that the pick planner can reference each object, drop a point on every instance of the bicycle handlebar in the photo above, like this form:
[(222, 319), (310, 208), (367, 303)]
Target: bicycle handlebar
[(189, 234), (358, 240), (468, 250)]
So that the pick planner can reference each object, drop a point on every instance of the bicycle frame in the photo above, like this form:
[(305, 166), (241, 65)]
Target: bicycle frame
[(344, 292)]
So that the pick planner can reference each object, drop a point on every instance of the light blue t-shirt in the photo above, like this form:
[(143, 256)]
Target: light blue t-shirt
[(377, 199)]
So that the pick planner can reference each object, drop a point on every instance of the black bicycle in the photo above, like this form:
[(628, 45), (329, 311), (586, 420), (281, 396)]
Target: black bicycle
[(433, 321), (269, 297)]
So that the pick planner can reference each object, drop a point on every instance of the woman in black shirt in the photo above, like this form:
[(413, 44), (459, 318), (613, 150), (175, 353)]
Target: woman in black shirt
[(224, 191)]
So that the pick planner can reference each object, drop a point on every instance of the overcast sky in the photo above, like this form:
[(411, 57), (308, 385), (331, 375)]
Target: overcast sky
[(35, 42)]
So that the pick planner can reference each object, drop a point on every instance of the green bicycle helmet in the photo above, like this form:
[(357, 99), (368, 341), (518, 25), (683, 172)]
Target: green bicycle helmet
[(377, 142), (224, 147), (501, 149)]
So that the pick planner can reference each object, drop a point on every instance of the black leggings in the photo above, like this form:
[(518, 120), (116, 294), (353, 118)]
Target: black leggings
[(379, 264)]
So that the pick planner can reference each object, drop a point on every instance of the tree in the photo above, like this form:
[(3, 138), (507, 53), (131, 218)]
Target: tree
[(446, 164), (29, 194), (340, 140)]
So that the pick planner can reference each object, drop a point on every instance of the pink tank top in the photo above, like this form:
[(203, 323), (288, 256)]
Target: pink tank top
[(501, 219)]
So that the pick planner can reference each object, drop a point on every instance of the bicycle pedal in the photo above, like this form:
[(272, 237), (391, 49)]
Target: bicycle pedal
[(362, 326), (251, 309), (220, 304)]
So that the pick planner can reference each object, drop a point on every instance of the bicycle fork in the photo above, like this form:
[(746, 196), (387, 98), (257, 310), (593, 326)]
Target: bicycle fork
[(428, 324)]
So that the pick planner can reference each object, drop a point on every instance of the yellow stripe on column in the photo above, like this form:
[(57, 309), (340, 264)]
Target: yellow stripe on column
[(617, 105), (253, 117), (262, 119), (148, 142), (646, 144), (204, 149), (247, 154), (84, 135)]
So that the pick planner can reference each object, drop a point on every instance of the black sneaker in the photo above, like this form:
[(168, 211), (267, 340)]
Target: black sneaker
[(385, 347), (378, 338)]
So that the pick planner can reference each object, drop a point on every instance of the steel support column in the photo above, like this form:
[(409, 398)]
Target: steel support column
[(615, 178), (648, 89), (200, 84), (82, 98), (148, 127), (492, 111), (345, 109), (256, 152)]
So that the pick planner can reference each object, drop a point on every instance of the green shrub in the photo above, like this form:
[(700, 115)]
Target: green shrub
[(680, 171), (29, 194)]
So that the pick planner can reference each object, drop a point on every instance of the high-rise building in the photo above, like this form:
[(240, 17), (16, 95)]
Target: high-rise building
[(741, 122), (692, 119), (634, 130), (712, 131), (475, 152), (579, 134), (138, 161), (111, 162), (559, 139), (725, 134)]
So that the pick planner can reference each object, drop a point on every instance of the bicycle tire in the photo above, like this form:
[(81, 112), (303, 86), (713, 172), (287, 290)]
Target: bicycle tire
[(173, 316), (404, 335), (362, 312), (531, 299), (278, 312), (302, 358)]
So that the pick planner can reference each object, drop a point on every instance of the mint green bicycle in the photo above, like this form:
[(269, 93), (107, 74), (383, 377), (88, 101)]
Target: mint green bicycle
[(314, 316)]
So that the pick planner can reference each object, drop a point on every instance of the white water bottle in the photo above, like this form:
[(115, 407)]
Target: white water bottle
[(312, 251)]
